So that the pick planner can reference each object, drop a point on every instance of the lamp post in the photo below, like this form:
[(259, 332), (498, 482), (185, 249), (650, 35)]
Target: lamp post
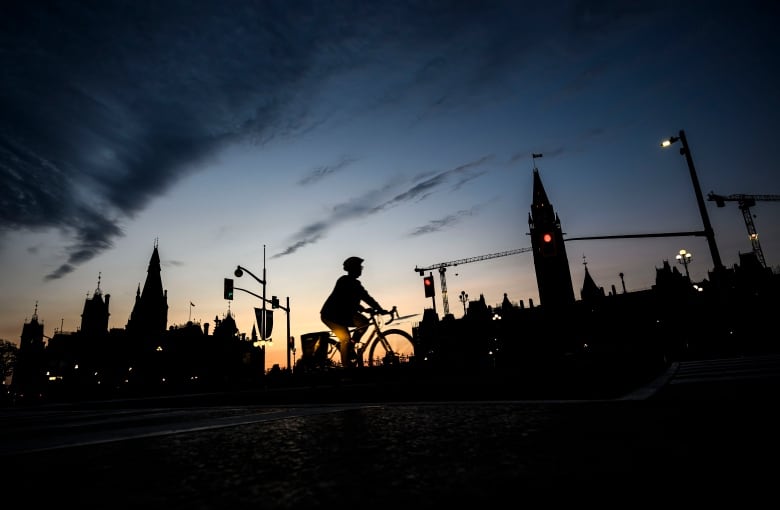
[(239, 272), (708, 232), (463, 299), (684, 258)]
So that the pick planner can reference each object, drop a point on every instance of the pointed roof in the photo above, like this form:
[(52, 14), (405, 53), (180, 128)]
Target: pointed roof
[(589, 288), (150, 313), (153, 283), (539, 194)]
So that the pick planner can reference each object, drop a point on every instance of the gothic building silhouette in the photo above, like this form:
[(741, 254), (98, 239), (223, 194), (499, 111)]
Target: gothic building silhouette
[(145, 357), (94, 318), (150, 312)]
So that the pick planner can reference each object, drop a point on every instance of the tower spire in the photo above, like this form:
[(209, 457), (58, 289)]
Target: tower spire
[(553, 277)]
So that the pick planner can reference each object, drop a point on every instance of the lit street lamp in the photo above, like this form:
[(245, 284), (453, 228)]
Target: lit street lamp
[(684, 258), (463, 299), (708, 232)]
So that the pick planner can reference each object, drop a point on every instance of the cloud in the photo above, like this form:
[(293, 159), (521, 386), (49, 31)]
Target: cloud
[(423, 188), (324, 171), (373, 202), (442, 223), (107, 106)]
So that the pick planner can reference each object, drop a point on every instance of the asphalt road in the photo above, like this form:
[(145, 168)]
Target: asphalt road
[(703, 433)]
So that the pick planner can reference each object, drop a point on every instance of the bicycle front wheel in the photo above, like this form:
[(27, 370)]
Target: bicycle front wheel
[(391, 347)]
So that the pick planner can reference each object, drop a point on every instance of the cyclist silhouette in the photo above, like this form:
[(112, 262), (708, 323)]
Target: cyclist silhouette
[(342, 308)]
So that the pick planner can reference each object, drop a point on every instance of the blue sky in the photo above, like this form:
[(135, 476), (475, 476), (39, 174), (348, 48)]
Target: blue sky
[(291, 135)]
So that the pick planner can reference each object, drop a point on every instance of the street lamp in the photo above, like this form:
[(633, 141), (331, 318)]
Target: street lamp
[(239, 272), (708, 232), (684, 258), (463, 299)]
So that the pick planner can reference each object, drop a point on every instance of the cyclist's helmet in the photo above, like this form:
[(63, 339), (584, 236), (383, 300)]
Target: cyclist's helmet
[(352, 263)]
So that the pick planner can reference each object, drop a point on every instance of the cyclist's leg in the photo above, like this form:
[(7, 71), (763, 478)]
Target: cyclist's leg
[(390, 347), (361, 326), (342, 333)]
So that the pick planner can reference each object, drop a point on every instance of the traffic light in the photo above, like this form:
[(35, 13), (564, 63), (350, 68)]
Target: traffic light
[(429, 289), (228, 288), (274, 302), (548, 244)]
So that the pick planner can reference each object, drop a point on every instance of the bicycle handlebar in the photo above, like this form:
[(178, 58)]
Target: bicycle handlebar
[(393, 313)]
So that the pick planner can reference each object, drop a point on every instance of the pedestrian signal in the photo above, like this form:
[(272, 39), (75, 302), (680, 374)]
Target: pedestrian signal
[(428, 284)]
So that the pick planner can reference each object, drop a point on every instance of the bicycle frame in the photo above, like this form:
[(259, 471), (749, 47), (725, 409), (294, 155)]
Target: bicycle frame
[(368, 336), (375, 336)]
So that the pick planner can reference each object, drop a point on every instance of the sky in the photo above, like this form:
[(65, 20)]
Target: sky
[(286, 136)]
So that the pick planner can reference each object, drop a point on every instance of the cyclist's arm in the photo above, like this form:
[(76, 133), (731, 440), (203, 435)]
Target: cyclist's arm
[(373, 303)]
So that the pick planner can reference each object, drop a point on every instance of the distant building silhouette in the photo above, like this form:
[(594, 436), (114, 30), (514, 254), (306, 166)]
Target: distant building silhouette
[(94, 318), (590, 291), (146, 358), (30, 368)]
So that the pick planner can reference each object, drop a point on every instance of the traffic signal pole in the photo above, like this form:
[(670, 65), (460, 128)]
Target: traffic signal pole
[(290, 345)]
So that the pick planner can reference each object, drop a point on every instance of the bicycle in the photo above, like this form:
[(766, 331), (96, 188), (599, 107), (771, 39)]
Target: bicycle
[(376, 347)]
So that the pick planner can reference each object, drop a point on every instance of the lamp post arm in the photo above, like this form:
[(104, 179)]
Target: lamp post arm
[(242, 268)]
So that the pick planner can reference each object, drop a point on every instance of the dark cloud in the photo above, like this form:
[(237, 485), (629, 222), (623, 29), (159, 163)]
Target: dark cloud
[(107, 105)]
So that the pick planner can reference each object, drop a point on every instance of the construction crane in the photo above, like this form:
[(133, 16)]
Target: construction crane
[(442, 267), (745, 202)]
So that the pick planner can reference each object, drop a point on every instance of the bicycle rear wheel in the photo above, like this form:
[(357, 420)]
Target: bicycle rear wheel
[(391, 347)]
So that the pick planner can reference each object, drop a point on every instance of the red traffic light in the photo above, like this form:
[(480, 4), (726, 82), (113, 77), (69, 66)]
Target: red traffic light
[(428, 284)]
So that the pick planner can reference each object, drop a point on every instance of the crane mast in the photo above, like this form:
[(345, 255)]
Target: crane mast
[(745, 202), (442, 267)]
